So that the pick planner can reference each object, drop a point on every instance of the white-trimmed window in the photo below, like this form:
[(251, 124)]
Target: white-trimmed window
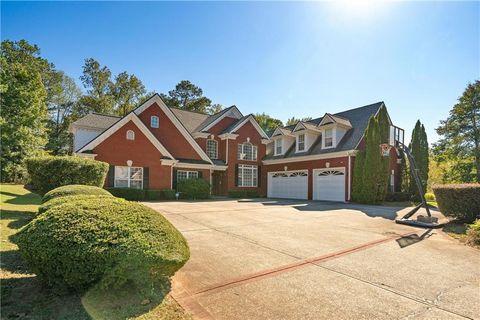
[(247, 151), (130, 135), (154, 122), (247, 175), (128, 177), (328, 138), (183, 174), (278, 146), (212, 149), (301, 142)]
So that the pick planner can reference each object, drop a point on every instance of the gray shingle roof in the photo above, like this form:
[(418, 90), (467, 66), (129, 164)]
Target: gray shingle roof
[(236, 123), (96, 120), (212, 118), (358, 118), (190, 120)]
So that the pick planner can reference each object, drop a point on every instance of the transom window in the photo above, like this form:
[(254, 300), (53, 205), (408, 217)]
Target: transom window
[(247, 175), (278, 146), (212, 149), (301, 142), (328, 138), (154, 122), (247, 151), (183, 175), (130, 135), (128, 177)]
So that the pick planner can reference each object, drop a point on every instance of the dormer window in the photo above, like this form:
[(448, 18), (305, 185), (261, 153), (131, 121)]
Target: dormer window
[(130, 135), (328, 138), (301, 142), (278, 146), (154, 123)]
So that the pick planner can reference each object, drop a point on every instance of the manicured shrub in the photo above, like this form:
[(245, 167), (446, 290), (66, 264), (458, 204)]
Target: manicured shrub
[(47, 173), (74, 189), (460, 201), (108, 242), (398, 196), (473, 234), (196, 188), (243, 194), (429, 196), (69, 198), (128, 193), (162, 194)]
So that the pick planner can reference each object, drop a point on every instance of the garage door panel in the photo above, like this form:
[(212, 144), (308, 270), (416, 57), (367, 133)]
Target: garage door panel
[(288, 185), (329, 184)]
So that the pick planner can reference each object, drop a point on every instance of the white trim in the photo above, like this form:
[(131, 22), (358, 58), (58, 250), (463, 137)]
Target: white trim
[(225, 136), (151, 122), (304, 143), (85, 155), (193, 165), (349, 177), (226, 151), (171, 116), (300, 123), (278, 131), (275, 142), (216, 147), (168, 162), (236, 113), (251, 118), (265, 141), (325, 117), (337, 154), (219, 168), (129, 117), (200, 135)]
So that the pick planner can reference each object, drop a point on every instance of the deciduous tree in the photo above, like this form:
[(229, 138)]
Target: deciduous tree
[(293, 120), (267, 123)]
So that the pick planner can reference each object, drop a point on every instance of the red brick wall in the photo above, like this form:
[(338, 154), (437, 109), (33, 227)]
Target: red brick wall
[(215, 131), (246, 131), (168, 134), (341, 162), (116, 150)]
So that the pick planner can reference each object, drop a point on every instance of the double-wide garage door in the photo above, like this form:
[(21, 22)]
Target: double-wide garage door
[(328, 184)]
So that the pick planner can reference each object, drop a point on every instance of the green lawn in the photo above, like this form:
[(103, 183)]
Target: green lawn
[(23, 296)]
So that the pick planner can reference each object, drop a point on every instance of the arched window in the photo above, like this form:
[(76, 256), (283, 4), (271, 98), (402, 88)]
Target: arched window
[(130, 135), (154, 123)]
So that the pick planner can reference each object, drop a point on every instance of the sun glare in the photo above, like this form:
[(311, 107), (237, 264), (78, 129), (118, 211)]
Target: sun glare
[(359, 8)]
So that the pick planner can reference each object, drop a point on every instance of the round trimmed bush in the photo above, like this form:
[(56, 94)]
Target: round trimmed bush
[(68, 198), (107, 241), (459, 201), (75, 189)]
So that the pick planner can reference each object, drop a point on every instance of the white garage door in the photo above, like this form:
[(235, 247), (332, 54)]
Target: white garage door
[(329, 184), (288, 185)]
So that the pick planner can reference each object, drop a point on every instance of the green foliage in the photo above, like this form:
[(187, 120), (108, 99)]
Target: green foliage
[(195, 188), (243, 194), (23, 99), (358, 189), (70, 197), (108, 241), (384, 137), (189, 97), (460, 134), (47, 173), (128, 193), (460, 201), (293, 120), (74, 190), (473, 234), (163, 194), (419, 149), (398, 196), (429, 196), (267, 123)]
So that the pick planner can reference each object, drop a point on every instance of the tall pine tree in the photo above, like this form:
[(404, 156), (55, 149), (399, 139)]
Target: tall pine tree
[(384, 137)]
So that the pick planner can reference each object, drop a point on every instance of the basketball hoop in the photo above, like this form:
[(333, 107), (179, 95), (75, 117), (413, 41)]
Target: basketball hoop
[(385, 149)]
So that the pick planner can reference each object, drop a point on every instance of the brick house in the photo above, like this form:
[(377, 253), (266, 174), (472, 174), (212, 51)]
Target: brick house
[(154, 146)]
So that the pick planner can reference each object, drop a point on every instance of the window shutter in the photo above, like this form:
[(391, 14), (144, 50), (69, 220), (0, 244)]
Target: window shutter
[(236, 175), (200, 174), (111, 176), (146, 178), (174, 179), (259, 176)]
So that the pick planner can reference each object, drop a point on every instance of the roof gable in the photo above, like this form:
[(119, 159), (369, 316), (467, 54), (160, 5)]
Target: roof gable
[(241, 122), (119, 124), (211, 121)]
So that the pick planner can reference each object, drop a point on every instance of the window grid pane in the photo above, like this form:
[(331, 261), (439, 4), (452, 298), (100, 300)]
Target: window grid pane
[(212, 149), (154, 122), (247, 176), (247, 151), (124, 179)]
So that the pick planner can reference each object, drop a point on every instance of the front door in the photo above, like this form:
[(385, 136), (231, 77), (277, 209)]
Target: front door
[(219, 183)]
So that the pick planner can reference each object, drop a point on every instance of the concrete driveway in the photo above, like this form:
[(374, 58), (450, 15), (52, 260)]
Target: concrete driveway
[(268, 259)]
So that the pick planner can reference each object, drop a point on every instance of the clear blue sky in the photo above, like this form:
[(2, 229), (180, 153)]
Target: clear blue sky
[(283, 58)]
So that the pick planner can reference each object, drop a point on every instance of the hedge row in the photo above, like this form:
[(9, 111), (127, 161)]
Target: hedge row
[(460, 201), (75, 189), (47, 173), (140, 194), (398, 196), (196, 188), (243, 194), (83, 240)]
